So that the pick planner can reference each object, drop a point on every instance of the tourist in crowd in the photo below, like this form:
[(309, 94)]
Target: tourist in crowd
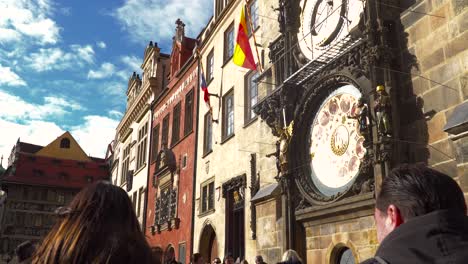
[(259, 260), (291, 257), (216, 260), (197, 258), (228, 259), (420, 218), (99, 226)]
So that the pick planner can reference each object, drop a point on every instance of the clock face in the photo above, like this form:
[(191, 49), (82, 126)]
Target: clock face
[(336, 146), (323, 22)]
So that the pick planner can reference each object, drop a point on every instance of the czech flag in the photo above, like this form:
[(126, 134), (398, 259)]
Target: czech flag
[(243, 53), (204, 87)]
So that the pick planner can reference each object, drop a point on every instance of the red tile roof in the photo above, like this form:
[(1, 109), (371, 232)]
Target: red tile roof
[(29, 148), (52, 172)]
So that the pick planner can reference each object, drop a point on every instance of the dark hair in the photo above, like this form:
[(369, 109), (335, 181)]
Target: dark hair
[(196, 257), (228, 255), (99, 226), (418, 190), (24, 251)]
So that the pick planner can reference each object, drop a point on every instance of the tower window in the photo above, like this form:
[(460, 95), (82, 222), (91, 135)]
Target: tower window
[(65, 143)]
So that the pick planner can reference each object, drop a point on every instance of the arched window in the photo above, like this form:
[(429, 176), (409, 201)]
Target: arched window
[(65, 143), (345, 256)]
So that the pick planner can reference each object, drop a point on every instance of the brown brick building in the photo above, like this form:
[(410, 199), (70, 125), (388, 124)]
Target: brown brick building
[(37, 181), (172, 158)]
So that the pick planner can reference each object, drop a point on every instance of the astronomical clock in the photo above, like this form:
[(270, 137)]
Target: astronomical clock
[(332, 122), (336, 145), (325, 22)]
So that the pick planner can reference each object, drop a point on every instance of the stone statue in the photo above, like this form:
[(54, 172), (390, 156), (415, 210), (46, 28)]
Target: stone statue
[(281, 15), (276, 154), (285, 138), (382, 111), (362, 116)]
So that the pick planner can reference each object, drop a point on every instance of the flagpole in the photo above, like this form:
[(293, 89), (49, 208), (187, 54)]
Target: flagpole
[(253, 34)]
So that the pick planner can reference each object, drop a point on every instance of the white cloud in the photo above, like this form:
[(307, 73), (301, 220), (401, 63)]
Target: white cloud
[(86, 53), (138, 17), (28, 19), (15, 108), (101, 44), (95, 134), (131, 62), (33, 131), (106, 70), (115, 114), (47, 59), (8, 77)]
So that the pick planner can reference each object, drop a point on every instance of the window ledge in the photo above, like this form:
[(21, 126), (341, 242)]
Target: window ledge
[(182, 139), (209, 81), (255, 31), (224, 140), (139, 169), (228, 60), (208, 212), (207, 153), (251, 121)]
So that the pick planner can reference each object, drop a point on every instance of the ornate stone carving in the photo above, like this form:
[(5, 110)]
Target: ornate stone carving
[(236, 183)]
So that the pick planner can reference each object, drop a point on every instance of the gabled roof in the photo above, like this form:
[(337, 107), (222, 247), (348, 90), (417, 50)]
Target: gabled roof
[(29, 148), (73, 152)]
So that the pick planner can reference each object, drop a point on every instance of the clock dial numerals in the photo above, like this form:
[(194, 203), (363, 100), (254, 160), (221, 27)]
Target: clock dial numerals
[(323, 22), (337, 148)]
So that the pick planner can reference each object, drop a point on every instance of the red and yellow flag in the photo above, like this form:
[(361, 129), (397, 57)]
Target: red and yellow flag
[(242, 52)]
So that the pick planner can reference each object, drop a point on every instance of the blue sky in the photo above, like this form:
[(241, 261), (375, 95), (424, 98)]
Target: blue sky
[(64, 65)]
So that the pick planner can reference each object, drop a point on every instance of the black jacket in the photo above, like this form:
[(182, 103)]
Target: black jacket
[(438, 237)]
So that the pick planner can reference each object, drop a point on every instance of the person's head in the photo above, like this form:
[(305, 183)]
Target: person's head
[(228, 259), (258, 259), (413, 190), (99, 226), (197, 258), (216, 260), (291, 256), (24, 251), (244, 262)]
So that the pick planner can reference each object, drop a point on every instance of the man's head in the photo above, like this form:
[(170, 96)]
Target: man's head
[(216, 261), (197, 258), (258, 259), (228, 259), (414, 190)]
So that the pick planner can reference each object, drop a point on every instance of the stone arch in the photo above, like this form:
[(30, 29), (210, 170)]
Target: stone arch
[(157, 253), (169, 254), (208, 245), (335, 249)]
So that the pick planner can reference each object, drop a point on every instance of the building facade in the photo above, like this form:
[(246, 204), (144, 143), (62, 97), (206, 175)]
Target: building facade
[(233, 143), (361, 87), (172, 159), (37, 181), (131, 144)]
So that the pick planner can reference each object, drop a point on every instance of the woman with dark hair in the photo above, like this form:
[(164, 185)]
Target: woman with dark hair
[(99, 226)]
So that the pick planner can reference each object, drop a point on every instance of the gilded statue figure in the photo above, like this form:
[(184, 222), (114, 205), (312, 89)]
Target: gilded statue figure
[(382, 111)]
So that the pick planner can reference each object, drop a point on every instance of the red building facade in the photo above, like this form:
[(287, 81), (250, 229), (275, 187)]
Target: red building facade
[(172, 159), (37, 181)]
